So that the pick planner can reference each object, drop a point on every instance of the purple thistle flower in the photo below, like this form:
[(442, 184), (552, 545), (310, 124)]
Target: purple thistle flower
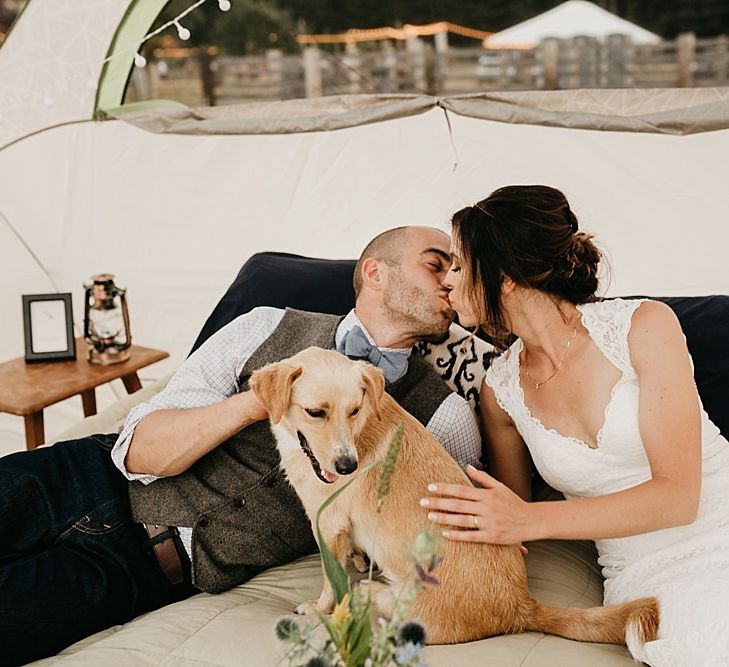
[(411, 632), (318, 661), (425, 577)]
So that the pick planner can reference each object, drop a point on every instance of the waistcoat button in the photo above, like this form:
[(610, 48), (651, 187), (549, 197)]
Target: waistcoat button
[(270, 482), (204, 522), (239, 502)]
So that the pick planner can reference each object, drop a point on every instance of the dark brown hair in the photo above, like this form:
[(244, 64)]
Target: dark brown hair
[(528, 233)]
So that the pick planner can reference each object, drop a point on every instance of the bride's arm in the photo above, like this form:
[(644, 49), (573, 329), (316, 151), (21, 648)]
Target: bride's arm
[(506, 454), (670, 426)]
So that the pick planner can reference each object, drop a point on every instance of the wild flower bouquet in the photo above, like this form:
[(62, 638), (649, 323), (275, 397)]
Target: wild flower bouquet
[(354, 636)]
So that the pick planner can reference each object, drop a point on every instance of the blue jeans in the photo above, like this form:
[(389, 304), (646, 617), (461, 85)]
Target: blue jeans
[(72, 561)]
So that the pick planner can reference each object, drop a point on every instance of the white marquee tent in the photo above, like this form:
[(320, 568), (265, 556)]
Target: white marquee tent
[(173, 200), (570, 19)]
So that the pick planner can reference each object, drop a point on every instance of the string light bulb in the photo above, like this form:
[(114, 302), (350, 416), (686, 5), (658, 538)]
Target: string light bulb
[(140, 60), (182, 32), (224, 5)]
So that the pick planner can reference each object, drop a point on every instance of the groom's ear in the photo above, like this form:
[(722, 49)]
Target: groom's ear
[(372, 274)]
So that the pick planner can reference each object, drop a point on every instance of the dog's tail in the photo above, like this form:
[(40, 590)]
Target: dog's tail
[(634, 622)]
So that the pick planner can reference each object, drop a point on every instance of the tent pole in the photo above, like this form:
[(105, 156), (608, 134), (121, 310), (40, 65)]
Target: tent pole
[(117, 69)]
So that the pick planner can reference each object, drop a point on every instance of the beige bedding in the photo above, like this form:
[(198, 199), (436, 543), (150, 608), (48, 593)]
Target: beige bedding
[(236, 627)]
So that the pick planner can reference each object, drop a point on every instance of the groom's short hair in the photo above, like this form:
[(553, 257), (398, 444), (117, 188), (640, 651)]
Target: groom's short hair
[(385, 247)]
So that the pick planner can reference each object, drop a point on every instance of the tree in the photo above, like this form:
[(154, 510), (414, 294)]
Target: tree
[(249, 26)]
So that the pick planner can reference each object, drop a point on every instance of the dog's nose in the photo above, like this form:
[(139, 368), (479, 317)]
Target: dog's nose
[(346, 465)]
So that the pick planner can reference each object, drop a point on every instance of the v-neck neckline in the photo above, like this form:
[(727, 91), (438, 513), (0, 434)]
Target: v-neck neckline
[(519, 346)]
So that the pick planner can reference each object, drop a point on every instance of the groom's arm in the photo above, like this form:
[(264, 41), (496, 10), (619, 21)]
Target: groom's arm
[(201, 406), (454, 424)]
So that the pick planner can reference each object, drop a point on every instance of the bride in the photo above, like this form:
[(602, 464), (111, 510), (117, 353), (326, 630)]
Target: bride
[(600, 396)]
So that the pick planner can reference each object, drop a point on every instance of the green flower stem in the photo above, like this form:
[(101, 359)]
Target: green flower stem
[(335, 572), (351, 640)]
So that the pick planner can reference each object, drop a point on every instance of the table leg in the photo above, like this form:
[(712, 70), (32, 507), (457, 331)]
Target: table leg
[(88, 398), (131, 383), (34, 433)]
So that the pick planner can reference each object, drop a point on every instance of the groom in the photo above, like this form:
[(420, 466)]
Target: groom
[(189, 496)]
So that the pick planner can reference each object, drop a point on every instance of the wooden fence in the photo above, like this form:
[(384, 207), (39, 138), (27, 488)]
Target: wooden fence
[(422, 67)]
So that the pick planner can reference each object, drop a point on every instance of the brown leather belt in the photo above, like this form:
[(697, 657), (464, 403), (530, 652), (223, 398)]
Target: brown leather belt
[(166, 553)]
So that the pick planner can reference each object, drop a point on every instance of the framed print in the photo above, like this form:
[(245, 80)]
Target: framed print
[(48, 322)]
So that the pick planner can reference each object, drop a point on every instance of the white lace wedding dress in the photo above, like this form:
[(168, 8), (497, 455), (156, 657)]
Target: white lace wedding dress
[(686, 567)]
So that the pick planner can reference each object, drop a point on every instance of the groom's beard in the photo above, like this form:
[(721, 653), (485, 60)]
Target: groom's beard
[(424, 316)]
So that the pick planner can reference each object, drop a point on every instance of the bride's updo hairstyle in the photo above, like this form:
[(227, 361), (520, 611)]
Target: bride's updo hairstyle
[(528, 233)]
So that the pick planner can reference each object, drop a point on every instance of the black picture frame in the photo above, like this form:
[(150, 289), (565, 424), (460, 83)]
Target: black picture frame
[(48, 325)]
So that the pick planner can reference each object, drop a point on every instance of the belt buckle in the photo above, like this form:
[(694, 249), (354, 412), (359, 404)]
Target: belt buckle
[(165, 552)]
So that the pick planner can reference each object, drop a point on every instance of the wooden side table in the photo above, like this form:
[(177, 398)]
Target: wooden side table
[(26, 389)]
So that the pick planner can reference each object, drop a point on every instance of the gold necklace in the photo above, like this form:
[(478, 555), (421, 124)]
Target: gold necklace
[(559, 365)]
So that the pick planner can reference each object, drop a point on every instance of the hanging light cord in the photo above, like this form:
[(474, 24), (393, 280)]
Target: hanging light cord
[(174, 22), (450, 135)]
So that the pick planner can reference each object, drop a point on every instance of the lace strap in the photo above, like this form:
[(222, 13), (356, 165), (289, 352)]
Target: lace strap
[(503, 377), (608, 323)]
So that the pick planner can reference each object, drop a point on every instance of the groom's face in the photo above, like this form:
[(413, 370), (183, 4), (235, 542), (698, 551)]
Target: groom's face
[(415, 296)]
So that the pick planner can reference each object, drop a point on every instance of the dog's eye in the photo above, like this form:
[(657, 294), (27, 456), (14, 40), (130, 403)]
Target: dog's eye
[(317, 414), (354, 412)]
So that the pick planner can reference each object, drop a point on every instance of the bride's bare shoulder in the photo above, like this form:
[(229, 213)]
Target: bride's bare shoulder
[(652, 317), (655, 331)]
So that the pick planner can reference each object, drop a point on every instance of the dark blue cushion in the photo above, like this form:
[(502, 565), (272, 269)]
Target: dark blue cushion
[(325, 286), (283, 280)]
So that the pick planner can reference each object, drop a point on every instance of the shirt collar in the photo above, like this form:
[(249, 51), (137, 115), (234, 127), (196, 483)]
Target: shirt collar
[(350, 321)]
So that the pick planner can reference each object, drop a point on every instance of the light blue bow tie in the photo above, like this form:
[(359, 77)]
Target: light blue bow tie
[(356, 346)]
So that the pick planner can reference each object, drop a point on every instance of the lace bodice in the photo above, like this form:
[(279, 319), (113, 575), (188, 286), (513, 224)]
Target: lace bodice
[(568, 463)]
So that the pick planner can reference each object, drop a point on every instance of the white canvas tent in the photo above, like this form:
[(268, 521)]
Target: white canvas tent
[(570, 19), (173, 200)]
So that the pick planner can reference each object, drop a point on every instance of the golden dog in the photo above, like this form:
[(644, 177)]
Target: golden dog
[(331, 415)]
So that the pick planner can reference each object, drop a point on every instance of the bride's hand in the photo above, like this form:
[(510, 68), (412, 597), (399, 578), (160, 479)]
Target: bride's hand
[(493, 514)]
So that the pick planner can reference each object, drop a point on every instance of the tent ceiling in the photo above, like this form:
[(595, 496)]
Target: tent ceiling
[(51, 62)]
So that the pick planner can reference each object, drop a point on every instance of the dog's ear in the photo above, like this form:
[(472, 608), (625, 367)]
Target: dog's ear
[(272, 387), (374, 387)]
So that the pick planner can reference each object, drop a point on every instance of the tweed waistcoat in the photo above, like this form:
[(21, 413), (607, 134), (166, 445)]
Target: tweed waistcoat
[(245, 516)]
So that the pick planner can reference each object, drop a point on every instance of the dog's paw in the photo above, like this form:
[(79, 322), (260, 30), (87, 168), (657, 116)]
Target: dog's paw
[(311, 607), (360, 561), (308, 608)]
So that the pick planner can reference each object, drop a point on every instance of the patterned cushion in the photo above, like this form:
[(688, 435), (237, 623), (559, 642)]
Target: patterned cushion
[(461, 360)]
